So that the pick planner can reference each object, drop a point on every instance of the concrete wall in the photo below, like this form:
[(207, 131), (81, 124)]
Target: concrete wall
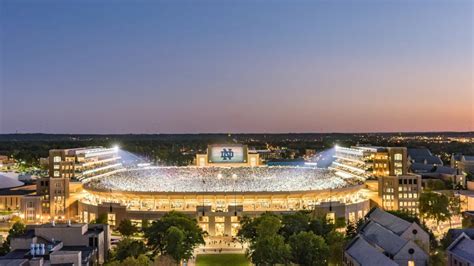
[(66, 257)]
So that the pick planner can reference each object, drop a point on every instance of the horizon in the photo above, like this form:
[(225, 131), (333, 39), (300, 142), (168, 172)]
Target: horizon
[(240, 67), (241, 133)]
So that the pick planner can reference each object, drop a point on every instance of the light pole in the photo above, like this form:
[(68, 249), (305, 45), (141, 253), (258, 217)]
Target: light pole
[(234, 177)]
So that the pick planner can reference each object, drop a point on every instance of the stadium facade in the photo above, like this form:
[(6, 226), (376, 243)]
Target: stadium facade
[(226, 184)]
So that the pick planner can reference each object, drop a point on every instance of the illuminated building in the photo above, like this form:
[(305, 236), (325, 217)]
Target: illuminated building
[(370, 161), (220, 190), (227, 183), (6, 163), (463, 162), (400, 192), (66, 165)]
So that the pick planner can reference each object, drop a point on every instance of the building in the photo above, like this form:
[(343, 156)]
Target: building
[(83, 163), (60, 244), (66, 165), (461, 251), (370, 161), (463, 162), (447, 174), (421, 160), (11, 198), (226, 184), (6, 163), (385, 239), (400, 192)]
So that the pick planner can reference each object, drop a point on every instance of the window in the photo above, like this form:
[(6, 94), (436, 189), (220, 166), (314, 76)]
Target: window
[(398, 157), (411, 263), (111, 218), (57, 159), (56, 173)]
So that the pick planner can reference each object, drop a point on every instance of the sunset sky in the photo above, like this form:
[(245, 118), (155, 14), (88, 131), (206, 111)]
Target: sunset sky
[(236, 66)]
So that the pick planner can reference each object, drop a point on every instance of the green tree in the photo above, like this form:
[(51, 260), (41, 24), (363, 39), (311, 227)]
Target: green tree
[(141, 260), (321, 226), (101, 219), (438, 258), (353, 228), (308, 249), (126, 228), (248, 227), (174, 239), (294, 223), (128, 247), (17, 229), (157, 239), (269, 247), (145, 224), (434, 206), (336, 243)]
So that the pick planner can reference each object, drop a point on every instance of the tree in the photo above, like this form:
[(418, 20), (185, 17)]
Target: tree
[(248, 227), (102, 219), (163, 260), (157, 234), (320, 226), (141, 260), (294, 223), (268, 247), (126, 228), (434, 206), (128, 247), (174, 239), (17, 229), (438, 258), (145, 224), (269, 250), (336, 243), (308, 249), (353, 228)]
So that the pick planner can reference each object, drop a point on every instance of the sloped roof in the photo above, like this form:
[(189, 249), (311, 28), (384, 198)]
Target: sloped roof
[(423, 155), (463, 247), (389, 221), (380, 236), (455, 233), (421, 168), (445, 170), (365, 254)]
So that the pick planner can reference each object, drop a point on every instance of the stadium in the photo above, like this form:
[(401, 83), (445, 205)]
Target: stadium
[(220, 190)]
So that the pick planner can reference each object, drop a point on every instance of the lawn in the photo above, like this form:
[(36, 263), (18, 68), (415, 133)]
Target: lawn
[(222, 260)]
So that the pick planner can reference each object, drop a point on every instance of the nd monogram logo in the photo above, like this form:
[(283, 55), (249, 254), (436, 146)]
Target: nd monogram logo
[(227, 154)]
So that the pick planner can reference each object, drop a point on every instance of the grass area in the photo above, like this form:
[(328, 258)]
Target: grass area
[(222, 260)]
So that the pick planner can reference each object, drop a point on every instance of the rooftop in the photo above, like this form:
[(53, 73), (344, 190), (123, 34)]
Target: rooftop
[(389, 221), (359, 249)]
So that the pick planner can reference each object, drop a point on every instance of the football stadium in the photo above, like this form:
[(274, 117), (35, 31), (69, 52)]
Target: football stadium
[(227, 183)]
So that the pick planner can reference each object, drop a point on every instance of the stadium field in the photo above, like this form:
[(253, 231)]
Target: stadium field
[(222, 260)]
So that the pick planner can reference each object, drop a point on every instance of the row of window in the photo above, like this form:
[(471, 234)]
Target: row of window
[(406, 181)]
